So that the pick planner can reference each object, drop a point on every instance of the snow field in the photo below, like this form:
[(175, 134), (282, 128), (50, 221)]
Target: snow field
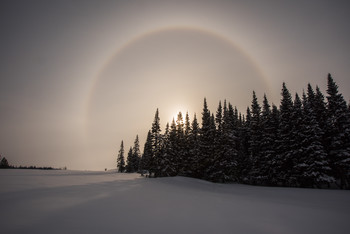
[(34, 201)]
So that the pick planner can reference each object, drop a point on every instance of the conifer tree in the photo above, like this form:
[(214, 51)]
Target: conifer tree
[(187, 160), (4, 163), (243, 160), (136, 154), (194, 139), (129, 162), (296, 141), (320, 109), (267, 146), (206, 141), (180, 144), (168, 154), (255, 140), (120, 159), (226, 170), (284, 162), (316, 171), (156, 144), (338, 133), (146, 159), (275, 124), (214, 170), (170, 164)]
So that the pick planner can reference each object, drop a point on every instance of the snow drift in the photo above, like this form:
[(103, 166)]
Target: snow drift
[(35, 201)]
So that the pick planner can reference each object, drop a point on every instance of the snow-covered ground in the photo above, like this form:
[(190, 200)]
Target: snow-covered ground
[(33, 201)]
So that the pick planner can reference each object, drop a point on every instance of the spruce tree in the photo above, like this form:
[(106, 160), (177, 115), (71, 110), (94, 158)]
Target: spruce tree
[(214, 170), (187, 160), (206, 142), (267, 146), (296, 141), (316, 171), (168, 155), (146, 159), (156, 145), (136, 154), (229, 145), (170, 165), (129, 162), (255, 141), (338, 133), (120, 159), (180, 144), (4, 163), (284, 161), (243, 160), (274, 124), (194, 140)]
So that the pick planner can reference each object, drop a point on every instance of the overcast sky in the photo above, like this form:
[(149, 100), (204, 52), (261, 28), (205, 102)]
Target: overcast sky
[(77, 77)]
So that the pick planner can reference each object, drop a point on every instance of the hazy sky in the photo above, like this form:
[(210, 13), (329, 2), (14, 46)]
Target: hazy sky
[(77, 77)]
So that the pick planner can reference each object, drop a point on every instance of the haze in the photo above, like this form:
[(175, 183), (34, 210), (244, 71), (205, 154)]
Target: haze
[(79, 77)]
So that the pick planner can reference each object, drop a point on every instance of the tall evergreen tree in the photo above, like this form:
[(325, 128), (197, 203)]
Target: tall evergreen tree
[(243, 160), (255, 141), (194, 139), (206, 141), (284, 161), (156, 145), (267, 144), (274, 124), (129, 162), (120, 159), (146, 159), (187, 158), (338, 133), (171, 154), (180, 144), (136, 153), (296, 141), (133, 159)]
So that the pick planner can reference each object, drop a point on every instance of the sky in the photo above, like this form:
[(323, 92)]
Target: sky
[(78, 77)]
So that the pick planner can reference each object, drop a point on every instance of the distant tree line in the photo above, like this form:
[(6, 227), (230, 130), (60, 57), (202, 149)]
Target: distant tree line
[(4, 164), (305, 142)]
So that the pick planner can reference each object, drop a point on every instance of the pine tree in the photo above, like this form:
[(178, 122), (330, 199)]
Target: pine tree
[(205, 142), (255, 141), (187, 160), (194, 139), (284, 161), (243, 160), (133, 159), (129, 162), (170, 160), (146, 159), (316, 171), (167, 154), (120, 159), (156, 145), (320, 110), (338, 133), (136, 154), (297, 138), (274, 124), (4, 163), (180, 144), (267, 146), (229, 144), (214, 171)]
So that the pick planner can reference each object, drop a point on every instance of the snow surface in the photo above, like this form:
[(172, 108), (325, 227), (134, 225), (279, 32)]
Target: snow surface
[(34, 201)]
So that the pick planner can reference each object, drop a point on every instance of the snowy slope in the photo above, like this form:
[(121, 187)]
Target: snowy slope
[(105, 202)]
